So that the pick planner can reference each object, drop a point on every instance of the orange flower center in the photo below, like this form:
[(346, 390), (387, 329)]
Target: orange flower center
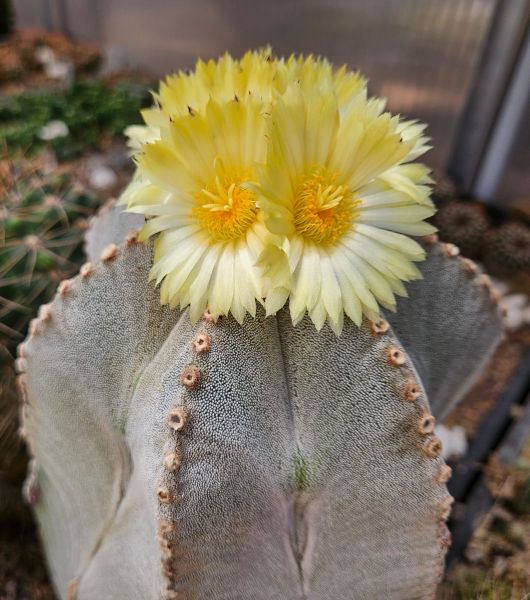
[(226, 208), (323, 210)]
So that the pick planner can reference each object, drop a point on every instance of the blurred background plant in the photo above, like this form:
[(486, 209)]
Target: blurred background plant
[(82, 117), (41, 229)]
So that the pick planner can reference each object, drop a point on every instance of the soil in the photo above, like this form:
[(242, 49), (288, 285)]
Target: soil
[(23, 573), (497, 565), (483, 395)]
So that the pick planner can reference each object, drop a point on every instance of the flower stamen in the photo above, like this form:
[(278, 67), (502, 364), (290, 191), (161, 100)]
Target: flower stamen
[(323, 210), (232, 209)]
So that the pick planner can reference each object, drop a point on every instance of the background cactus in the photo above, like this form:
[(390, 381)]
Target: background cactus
[(464, 224), (42, 228), (256, 461), (508, 249)]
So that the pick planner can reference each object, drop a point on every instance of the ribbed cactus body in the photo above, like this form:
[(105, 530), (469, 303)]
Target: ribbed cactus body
[(227, 461)]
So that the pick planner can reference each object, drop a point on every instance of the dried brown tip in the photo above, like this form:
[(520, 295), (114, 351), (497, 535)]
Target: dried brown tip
[(110, 253), (444, 474), (35, 327), (425, 424), (20, 365), (65, 287), (469, 265), (166, 546), (172, 461), (450, 250), (177, 418), (45, 313), (22, 388), (445, 507), (87, 270), (411, 391), (168, 568), (485, 281), (380, 326), (444, 536), (132, 238), (495, 295), (430, 240), (208, 317), (396, 357), (190, 377), (166, 527), (164, 495), (201, 342), (433, 447), (73, 588)]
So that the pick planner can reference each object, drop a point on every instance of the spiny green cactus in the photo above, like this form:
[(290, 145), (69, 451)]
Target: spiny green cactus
[(42, 227), (464, 224), (260, 460)]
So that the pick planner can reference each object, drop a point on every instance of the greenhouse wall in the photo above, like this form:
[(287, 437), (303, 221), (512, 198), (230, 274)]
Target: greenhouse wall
[(420, 54)]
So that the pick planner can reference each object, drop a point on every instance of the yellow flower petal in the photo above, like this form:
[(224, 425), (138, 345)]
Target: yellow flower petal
[(337, 189)]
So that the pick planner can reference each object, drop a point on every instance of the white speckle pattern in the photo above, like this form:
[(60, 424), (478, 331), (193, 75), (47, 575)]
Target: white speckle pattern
[(301, 472)]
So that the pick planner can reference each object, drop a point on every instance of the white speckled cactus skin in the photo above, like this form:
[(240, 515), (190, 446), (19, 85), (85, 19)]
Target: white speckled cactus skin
[(227, 462)]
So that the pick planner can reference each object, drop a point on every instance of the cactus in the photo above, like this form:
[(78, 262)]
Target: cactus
[(463, 224), (508, 249), (245, 431), (42, 229), (444, 188), (261, 460)]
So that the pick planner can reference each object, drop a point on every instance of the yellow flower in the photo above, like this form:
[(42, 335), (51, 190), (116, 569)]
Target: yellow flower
[(257, 74), (319, 215), (340, 194), (189, 92), (194, 185)]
